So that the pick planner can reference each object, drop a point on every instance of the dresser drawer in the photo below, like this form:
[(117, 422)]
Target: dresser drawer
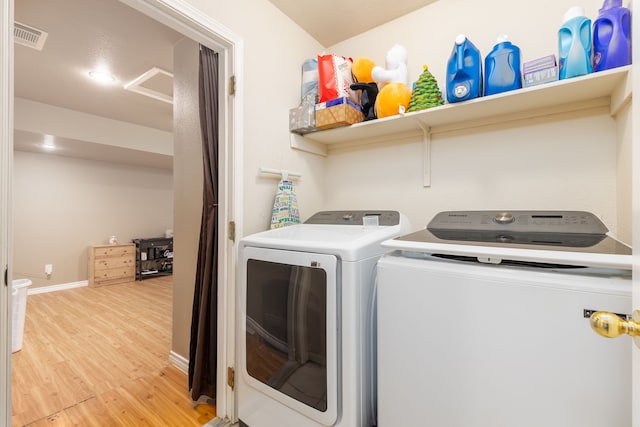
[(123, 274), (114, 262), (114, 251)]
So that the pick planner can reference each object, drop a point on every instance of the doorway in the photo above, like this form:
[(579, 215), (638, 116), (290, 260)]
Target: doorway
[(196, 26)]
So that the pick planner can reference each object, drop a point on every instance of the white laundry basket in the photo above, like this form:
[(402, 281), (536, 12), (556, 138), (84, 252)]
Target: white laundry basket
[(19, 310)]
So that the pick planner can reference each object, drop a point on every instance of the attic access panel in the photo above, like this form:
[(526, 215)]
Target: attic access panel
[(154, 83)]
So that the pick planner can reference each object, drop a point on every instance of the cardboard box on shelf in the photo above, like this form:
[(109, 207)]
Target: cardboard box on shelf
[(337, 112)]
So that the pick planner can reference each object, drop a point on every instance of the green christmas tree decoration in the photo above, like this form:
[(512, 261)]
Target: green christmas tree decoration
[(426, 93)]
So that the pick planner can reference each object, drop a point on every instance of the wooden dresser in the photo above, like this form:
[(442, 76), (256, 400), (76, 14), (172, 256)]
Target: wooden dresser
[(111, 264)]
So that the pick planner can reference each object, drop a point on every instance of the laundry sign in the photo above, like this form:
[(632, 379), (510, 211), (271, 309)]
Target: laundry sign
[(285, 207)]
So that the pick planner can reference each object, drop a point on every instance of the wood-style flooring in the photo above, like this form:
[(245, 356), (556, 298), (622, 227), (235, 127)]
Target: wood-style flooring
[(99, 357)]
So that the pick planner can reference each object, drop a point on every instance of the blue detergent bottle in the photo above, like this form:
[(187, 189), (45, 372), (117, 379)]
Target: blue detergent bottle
[(612, 36), (502, 68), (464, 71), (574, 44)]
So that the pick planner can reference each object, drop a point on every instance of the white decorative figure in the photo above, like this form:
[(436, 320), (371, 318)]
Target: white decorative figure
[(396, 63)]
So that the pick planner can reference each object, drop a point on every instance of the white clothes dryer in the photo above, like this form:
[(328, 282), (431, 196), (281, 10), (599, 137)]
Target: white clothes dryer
[(305, 334), (483, 320)]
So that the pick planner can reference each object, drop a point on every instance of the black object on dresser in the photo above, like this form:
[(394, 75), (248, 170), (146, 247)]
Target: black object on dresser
[(154, 257)]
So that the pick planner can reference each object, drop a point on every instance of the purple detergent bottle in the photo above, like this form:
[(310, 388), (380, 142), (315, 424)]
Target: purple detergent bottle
[(612, 36)]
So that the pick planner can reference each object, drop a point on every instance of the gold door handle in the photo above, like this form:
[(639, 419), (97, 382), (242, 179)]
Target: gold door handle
[(611, 325)]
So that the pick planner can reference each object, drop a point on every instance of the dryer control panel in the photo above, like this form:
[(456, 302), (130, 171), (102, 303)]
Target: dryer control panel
[(387, 218)]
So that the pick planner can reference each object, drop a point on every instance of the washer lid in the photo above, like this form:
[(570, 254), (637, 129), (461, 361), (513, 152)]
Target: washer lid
[(557, 237)]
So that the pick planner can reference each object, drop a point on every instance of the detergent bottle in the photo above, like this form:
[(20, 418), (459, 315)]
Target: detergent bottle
[(464, 71), (612, 36), (502, 68), (574, 44)]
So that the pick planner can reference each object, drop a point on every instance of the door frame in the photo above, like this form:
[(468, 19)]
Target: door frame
[(6, 168), (198, 26), (634, 5)]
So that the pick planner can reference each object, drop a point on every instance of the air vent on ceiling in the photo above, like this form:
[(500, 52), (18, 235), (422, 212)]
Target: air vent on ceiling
[(29, 36)]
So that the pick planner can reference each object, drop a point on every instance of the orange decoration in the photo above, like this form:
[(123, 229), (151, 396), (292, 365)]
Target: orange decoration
[(391, 97), (361, 69)]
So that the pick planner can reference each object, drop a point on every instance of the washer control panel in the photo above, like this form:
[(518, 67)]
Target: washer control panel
[(355, 218), (561, 222)]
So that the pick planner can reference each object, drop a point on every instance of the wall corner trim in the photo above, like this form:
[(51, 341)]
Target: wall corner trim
[(179, 361)]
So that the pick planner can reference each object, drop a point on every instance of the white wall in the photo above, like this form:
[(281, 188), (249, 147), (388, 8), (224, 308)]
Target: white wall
[(490, 168), (567, 164), (274, 50), (62, 205)]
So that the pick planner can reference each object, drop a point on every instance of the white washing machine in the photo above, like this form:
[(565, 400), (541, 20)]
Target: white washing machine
[(306, 320), (483, 321)]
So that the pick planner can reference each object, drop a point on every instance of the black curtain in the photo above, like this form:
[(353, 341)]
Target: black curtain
[(203, 345)]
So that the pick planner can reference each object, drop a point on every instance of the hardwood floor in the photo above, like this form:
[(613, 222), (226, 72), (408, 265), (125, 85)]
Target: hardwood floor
[(99, 357)]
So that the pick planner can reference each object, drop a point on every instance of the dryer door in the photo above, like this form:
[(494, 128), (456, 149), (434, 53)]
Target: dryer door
[(288, 344)]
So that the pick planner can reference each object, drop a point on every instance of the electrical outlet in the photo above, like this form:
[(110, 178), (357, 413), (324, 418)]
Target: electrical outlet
[(48, 268)]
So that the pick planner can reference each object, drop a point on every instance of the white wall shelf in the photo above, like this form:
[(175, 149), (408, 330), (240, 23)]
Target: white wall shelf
[(610, 89)]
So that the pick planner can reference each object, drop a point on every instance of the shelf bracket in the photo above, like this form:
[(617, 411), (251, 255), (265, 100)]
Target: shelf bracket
[(621, 95), (299, 142), (426, 154)]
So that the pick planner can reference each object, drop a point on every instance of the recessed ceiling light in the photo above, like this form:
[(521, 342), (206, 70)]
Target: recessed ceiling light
[(102, 77), (49, 142)]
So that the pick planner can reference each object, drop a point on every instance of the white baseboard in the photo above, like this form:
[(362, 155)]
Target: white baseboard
[(179, 362), (55, 288)]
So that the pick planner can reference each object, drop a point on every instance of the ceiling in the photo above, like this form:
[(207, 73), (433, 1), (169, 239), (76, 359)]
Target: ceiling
[(84, 35), (333, 21), (87, 34)]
